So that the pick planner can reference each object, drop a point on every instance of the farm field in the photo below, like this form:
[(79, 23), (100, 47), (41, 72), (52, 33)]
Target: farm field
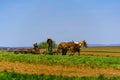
[(101, 63), (102, 51), (107, 49)]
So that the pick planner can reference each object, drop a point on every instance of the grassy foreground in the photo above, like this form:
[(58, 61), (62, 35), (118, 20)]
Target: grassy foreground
[(15, 76), (75, 61), (53, 60)]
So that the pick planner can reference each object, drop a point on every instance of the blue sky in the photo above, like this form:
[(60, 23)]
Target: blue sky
[(22, 22)]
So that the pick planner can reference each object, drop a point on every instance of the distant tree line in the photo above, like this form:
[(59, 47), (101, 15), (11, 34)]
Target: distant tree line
[(44, 45)]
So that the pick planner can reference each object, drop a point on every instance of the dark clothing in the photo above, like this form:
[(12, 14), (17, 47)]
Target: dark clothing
[(49, 42), (35, 46)]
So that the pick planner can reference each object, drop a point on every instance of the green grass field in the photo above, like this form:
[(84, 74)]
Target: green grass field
[(65, 61), (62, 60), (16, 76)]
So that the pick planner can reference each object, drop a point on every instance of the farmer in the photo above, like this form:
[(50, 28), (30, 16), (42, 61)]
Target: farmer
[(35, 45), (49, 42)]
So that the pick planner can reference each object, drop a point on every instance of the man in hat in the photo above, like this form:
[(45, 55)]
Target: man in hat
[(35, 45), (49, 42)]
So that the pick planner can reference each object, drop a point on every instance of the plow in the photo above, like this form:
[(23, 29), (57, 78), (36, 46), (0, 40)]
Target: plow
[(28, 51)]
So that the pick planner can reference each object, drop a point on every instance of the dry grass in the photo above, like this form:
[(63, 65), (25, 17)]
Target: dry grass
[(107, 49), (58, 70), (101, 54)]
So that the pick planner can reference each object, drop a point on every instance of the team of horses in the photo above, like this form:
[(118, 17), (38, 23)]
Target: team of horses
[(72, 47), (63, 48)]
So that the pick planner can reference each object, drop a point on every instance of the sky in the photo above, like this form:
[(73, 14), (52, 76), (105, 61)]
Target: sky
[(23, 22)]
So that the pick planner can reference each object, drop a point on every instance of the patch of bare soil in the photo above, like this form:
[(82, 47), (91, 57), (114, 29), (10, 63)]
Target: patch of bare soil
[(24, 68), (101, 54)]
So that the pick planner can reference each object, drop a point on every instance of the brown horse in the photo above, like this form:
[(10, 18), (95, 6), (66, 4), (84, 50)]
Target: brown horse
[(82, 43), (62, 47), (68, 46)]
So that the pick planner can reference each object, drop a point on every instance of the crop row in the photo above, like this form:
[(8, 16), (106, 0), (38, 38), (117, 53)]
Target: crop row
[(92, 61)]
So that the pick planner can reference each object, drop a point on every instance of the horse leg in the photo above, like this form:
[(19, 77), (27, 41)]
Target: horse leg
[(64, 51), (78, 52)]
